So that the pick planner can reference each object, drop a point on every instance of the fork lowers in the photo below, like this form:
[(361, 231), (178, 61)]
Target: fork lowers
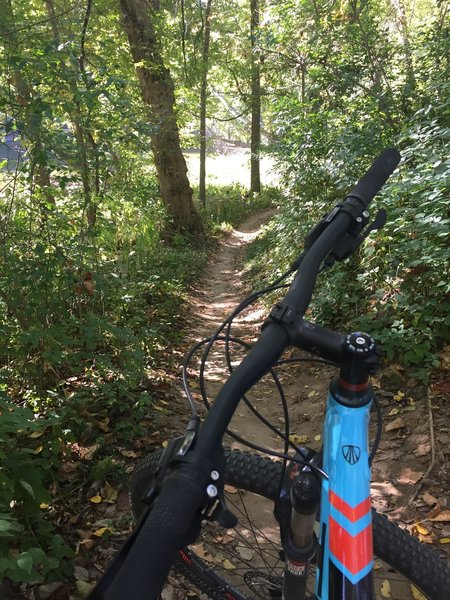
[(298, 538)]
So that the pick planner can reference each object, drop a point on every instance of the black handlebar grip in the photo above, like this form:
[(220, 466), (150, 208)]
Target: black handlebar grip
[(371, 183), (162, 535)]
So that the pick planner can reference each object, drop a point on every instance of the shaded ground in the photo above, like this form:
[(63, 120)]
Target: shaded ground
[(409, 473)]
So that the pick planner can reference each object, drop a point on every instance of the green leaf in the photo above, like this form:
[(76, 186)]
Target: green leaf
[(26, 486), (25, 562)]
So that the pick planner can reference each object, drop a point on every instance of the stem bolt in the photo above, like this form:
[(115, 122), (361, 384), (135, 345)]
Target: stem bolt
[(211, 490), (359, 219), (215, 475)]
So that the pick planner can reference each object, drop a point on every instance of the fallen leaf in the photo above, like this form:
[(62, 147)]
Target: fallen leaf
[(393, 412), (39, 449), (317, 438), (434, 511), (386, 589), (103, 425), (408, 476), (100, 532), (225, 539), (426, 539), (123, 501), (399, 396), (129, 454), (84, 587), (429, 499), (416, 594), (396, 424), (421, 529), (443, 387), (422, 450), (228, 565), (96, 499), (36, 434), (109, 494), (299, 439), (443, 517), (201, 551), (86, 545), (89, 452), (245, 553), (376, 383), (67, 470), (444, 541)]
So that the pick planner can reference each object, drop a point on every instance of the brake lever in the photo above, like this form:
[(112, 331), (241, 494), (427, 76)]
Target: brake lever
[(176, 449), (351, 241)]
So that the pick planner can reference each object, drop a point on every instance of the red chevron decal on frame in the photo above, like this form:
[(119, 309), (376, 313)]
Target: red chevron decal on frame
[(351, 513), (354, 552)]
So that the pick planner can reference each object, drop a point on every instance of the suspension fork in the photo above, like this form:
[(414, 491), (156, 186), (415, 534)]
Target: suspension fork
[(296, 513)]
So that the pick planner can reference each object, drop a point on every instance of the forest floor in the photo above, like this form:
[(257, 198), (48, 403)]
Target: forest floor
[(409, 471)]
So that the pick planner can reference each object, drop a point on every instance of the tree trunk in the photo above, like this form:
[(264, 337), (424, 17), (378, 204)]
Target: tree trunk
[(82, 135), (39, 170), (255, 142), (203, 97), (158, 94), (408, 94)]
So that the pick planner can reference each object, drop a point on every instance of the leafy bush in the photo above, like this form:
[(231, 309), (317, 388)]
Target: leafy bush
[(395, 287), (226, 206), (30, 548)]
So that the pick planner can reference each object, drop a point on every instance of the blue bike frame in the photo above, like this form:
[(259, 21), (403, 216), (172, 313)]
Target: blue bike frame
[(345, 562)]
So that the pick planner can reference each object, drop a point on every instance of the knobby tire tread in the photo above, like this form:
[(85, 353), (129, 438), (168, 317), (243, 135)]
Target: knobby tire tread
[(261, 475)]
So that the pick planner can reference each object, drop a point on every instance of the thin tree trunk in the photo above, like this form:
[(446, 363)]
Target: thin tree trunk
[(33, 117), (402, 24), (203, 97), (255, 142), (158, 95), (81, 133)]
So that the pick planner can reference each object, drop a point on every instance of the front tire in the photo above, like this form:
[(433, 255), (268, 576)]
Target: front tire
[(245, 562)]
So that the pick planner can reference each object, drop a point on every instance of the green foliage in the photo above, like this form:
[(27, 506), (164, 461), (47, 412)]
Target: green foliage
[(30, 548), (394, 287), (226, 206)]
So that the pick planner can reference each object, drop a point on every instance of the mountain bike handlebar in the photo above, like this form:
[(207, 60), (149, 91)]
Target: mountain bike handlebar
[(176, 513), (376, 176)]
